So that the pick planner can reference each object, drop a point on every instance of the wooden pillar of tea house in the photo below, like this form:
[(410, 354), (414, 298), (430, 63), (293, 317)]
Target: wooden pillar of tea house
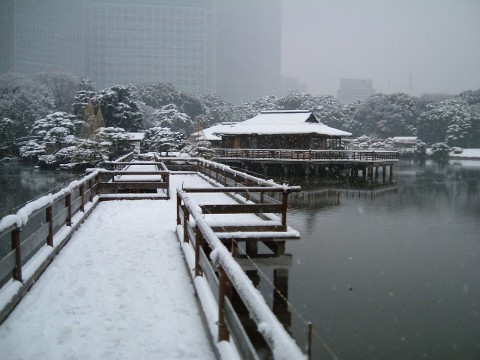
[(384, 174), (251, 247), (265, 169), (315, 169), (391, 173), (285, 170), (307, 171), (280, 295), (365, 176), (376, 173)]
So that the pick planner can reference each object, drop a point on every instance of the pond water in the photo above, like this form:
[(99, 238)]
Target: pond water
[(390, 274), (20, 184), (393, 274)]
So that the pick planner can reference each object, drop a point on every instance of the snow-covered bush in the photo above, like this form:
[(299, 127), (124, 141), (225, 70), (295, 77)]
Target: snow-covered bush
[(440, 152), (199, 149), (32, 150)]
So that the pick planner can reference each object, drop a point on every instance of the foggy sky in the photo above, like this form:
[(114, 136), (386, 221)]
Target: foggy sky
[(436, 41)]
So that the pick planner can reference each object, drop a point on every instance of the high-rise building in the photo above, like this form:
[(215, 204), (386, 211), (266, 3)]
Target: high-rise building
[(142, 41), (355, 89), (225, 46), (248, 48), (39, 36)]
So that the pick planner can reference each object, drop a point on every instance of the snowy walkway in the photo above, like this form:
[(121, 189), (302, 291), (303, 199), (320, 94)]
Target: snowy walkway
[(118, 290)]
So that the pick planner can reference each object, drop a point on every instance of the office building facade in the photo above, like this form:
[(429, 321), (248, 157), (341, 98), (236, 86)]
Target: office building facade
[(355, 89), (200, 46)]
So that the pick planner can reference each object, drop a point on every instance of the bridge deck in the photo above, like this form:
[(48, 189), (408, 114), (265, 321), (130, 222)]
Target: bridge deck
[(119, 289)]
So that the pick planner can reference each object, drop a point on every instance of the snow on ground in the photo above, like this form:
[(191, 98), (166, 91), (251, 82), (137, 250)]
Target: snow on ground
[(118, 290), (467, 154)]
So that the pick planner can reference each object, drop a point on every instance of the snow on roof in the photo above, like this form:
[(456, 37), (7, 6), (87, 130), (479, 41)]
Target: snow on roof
[(135, 136), (208, 134), (282, 122)]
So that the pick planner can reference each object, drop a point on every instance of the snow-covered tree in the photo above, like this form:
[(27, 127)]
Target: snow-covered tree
[(387, 115), (216, 110), (32, 150), (115, 139), (158, 95), (7, 137), (119, 108), (58, 127), (162, 139), (23, 101), (447, 121), (440, 152), (170, 117), (63, 87)]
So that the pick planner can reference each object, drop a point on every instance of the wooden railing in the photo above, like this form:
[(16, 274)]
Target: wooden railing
[(222, 273), (310, 155), (110, 181), (226, 176), (34, 228)]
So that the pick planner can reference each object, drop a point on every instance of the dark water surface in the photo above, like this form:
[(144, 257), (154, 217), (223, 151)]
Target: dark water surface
[(393, 275), (20, 184)]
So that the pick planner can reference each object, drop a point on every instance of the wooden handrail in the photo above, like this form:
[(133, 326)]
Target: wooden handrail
[(289, 154), (231, 275)]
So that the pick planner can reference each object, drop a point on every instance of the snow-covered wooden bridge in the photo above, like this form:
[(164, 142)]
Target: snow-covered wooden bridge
[(107, 279)]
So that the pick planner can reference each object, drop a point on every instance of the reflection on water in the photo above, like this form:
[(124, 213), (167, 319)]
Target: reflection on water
[(392, 274), (20, 183)]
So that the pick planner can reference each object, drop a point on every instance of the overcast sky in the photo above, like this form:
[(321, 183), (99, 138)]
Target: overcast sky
[(436, 43)]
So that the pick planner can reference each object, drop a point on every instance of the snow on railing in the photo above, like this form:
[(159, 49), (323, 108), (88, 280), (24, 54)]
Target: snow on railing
[(281, 344)]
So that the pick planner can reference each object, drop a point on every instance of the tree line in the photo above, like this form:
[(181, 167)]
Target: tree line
[(53, 107)]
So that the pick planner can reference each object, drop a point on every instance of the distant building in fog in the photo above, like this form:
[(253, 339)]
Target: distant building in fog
[(200, 46), (40, 36), (248, 49), (355, 89), (288, 84), (131, 42)]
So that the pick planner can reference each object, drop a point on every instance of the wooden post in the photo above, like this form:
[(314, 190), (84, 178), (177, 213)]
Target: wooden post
[(82, 202), (198, 246), (49, 219), (17, 271), (186, 216), (284, 209), (179, 203), (309, 345), (90, 185), (168, 185), (68, 205), (97, 181), (391, 173), (252, 247), (223, 291), (384, 173)]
